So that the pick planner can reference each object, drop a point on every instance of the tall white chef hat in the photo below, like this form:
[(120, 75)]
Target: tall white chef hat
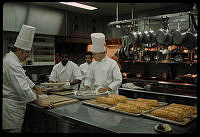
[(25, 38), (98, 40)]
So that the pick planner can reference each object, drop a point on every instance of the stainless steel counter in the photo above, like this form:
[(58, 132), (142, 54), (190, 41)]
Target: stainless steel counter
[(158, 93), (108, 121)]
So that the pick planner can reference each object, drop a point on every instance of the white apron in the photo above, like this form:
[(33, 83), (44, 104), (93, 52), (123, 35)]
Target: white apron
[(16, 92)]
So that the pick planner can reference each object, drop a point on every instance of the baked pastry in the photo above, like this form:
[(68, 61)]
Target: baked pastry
[(151, 102), (106, 100), (128, 108), (177, 110), (168, 115), (141, 105), (118, 98), (190, 110)]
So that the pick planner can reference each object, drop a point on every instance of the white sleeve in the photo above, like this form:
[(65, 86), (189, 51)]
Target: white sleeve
[(82, 69), (117, 78), (18, 79), (31, 84), (53, 75), (89, 81), (77, 72)]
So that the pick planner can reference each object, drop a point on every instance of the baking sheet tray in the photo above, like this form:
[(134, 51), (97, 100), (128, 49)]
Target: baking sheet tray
[(186, 120), (88, 96), (96, 104), (56, 98), (62, 93), (59, 100), (153, 108)]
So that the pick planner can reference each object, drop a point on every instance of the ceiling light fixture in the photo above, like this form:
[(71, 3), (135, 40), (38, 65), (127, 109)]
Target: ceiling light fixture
[(79, 5)]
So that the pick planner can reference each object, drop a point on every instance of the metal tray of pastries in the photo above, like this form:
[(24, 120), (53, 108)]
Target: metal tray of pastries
[(105, 102), (136, 107), (174, 113), (95, 103)]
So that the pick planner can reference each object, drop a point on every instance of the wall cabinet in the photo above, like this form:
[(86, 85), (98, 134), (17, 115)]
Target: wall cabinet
[(79, 27), (43, 51)]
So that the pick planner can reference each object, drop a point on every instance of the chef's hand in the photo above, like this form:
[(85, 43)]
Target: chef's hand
[(44, 103), (102, 90), (47, 104), (84, 88), (38, 90), (66, 84)]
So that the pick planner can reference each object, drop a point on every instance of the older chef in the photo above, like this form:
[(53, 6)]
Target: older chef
[(84, 67), (104, 73), (17, 86), (66, 71)]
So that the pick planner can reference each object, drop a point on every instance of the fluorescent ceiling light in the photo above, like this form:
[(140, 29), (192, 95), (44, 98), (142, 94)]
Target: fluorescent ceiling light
[(75, 4)]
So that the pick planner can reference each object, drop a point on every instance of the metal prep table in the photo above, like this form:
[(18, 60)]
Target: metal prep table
[(78, 117)]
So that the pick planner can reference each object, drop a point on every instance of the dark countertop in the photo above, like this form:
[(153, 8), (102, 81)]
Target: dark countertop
[(159, 93), (110, 121), (166, 87)]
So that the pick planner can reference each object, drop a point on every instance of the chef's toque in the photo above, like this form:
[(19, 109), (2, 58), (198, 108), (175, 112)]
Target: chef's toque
[(98, 40), (25, 38)]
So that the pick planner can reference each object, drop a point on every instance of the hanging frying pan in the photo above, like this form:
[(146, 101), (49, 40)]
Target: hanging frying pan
[(178, 36), (152, 35), (121, 54), (190, 40), (145, 37), (169, 38), (140, 38), (161, 36), (133, 37)]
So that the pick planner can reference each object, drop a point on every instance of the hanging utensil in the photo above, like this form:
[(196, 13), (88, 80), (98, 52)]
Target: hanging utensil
[(190, 40), (133, 37), (178, 37), (152, 35)]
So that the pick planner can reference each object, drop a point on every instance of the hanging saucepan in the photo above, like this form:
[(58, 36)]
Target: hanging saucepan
[(120, 53), (131, 53), (124, 52), (146, 38), (133, 37), (169, 39), (152, 35), (125, 40), (178, 36), (140, 37), (161, 36), (190, 41)]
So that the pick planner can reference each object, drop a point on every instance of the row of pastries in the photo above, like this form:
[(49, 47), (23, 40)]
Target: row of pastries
[(175, 112)]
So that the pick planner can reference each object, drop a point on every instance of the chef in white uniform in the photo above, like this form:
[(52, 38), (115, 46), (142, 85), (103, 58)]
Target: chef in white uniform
[(66, 71), (104, 73), (17, 87), (84, 67)]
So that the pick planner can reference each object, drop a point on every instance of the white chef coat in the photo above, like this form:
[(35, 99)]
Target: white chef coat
[(17, 92), (83, 68), (105, 73), (69, 72)]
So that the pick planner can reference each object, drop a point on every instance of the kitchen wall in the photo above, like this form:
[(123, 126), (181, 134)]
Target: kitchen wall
[(48, 21)]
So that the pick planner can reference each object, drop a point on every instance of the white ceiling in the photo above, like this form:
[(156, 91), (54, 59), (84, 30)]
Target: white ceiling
[(109, 9)]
